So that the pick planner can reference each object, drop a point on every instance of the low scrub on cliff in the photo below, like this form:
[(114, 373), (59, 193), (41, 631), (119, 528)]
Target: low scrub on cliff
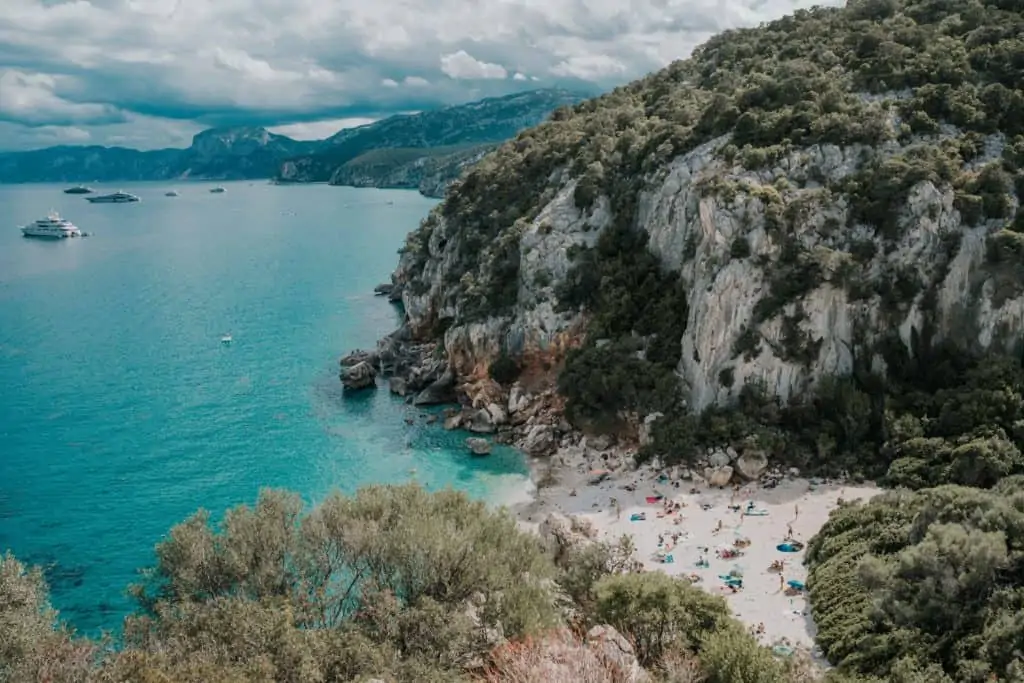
[(394, 583)]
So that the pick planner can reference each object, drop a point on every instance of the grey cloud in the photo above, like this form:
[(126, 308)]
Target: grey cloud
[(191, 63)]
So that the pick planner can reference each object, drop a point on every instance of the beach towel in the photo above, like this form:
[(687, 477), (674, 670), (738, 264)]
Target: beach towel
[(789, 547), (757, 513), (798, 585), (637, 517), (654, 499)]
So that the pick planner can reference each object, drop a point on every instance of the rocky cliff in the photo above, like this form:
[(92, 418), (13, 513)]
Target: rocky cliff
[(429, 170), (817, 208)]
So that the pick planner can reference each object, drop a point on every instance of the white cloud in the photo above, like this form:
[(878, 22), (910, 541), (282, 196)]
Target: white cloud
[(89, 64), (318, 130), (463, 65)]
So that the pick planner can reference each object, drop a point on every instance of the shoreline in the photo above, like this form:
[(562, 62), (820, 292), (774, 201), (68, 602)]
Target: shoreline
[(570, 484)]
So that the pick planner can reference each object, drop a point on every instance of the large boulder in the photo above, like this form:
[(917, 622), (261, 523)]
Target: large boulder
[(613, 648), (359, 356), (564, 534), (478, 446), (718, 476), (441, 390), (539, 440), (398, 386), (751, 465), (479, 422), (359, 376)]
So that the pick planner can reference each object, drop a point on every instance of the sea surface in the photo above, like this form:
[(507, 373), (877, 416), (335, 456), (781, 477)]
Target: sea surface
[(122, 412)]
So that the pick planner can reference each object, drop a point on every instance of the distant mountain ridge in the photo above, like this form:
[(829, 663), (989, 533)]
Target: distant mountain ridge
[(424, 151), (486, 122)]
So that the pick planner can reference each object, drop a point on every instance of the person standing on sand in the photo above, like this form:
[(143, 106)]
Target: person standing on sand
[(782, 583), (796, 512)]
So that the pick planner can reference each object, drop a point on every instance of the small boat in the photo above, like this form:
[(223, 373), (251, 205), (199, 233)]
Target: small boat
[(53, 226), (78, 189), (217, 190), (171, 193), (226, 339), (118, 197)]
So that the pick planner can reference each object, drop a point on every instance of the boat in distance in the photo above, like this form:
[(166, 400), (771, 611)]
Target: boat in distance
[(115, 198), (171, 193), (217, 190), (78, 189), (52, 227)]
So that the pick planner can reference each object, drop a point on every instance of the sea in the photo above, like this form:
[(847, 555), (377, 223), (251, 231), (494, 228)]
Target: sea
[(122, 412)]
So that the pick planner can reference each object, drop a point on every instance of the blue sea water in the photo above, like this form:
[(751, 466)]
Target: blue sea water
[(121, 412)]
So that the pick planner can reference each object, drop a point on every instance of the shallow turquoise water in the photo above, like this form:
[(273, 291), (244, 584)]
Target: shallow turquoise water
[(120, 410)]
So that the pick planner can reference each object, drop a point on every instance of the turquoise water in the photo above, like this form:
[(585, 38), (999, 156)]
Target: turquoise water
[(120, 410)]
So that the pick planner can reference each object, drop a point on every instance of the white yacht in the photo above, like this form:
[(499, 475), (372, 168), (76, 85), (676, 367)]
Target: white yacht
[(52, 226), (218, 190), (118, 197)]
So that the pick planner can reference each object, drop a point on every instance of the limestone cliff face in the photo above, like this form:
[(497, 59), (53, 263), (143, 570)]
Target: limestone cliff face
[(732, 234)]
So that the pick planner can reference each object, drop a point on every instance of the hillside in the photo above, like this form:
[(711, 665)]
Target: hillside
[(429, 170), (218, 153), (446, 141), (804, 242), (491, 120)]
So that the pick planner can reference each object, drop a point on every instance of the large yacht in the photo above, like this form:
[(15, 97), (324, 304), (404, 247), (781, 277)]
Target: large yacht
[(116, 198), (52, 226), (78, 189)]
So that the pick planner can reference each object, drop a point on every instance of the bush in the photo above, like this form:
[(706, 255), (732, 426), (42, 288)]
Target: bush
[(503, 369)]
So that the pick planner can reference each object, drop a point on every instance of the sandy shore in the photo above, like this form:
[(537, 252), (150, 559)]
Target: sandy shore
[(708, 521)]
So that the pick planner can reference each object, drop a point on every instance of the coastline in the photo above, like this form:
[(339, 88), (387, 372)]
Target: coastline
[(565, 487)]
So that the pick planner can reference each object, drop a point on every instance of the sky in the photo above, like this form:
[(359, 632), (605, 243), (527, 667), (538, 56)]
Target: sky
[(152, 73)]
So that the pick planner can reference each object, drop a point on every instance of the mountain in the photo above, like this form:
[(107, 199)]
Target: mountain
[(218, 153), (802, 247), (426, 150), (455, 129)]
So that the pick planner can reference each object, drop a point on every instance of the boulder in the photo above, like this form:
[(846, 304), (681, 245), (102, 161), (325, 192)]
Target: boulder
[(517, 399), (453, 421), (397, 385), (497, 413), (384, 289), (441, 390), (718, 476), (359, 356), (751, 465), (612, 647), (647, 427), (359, 376), (718, 458), (600, 442), (539, 440), (480, 422), (478, 446)]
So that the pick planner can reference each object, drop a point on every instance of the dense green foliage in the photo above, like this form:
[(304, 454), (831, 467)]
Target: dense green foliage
[(930, 582), (394, 583)]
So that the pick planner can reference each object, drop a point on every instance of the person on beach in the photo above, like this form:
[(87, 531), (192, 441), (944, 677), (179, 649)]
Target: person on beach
[(789, 531), (796, 512), (782, 583), (718, 527)]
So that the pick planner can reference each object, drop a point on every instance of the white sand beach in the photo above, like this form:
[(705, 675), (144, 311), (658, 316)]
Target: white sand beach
[(707, 522)]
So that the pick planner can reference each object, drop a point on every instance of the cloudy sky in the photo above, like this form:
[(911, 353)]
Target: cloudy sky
[(151, 73)]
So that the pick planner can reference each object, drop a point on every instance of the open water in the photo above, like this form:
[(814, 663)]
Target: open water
[(121, 412)]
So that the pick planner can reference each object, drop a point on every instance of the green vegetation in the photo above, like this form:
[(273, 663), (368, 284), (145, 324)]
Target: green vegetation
[(394, 583), (924, 586)]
